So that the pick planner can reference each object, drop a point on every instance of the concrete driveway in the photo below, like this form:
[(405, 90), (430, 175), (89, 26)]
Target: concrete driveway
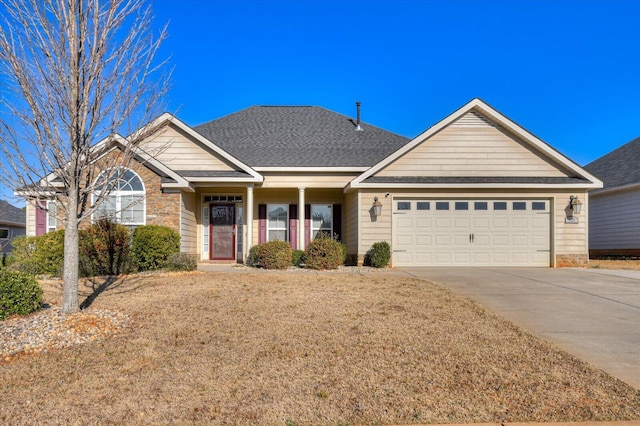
[(591, 313)]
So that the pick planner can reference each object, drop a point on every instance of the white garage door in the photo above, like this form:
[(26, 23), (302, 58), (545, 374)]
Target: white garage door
[(433, 232)]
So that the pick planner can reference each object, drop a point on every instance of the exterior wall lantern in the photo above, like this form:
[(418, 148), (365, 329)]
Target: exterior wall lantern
[(377, 207), (575, 204)]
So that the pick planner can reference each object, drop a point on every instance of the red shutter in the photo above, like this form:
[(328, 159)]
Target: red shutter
[(293, 226), (41, 219), (307, 224), (262, 223), (337, 221)]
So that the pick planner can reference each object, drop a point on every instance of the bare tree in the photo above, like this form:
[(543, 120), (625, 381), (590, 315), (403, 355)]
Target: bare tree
[(75, 74)]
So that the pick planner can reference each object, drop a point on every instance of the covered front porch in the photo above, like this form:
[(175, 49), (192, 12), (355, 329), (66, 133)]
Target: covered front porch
[(230, 220)]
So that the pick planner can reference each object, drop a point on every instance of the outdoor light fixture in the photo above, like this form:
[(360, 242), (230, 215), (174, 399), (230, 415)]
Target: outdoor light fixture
[(377, 207), (575, 204)]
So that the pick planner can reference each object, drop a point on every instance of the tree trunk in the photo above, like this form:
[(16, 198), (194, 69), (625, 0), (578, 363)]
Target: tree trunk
[(70, 274)]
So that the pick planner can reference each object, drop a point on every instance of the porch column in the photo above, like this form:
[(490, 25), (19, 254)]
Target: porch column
[(249, 217), (301, 218)]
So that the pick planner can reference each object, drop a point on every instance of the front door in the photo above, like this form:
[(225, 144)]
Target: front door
[(222, 231)]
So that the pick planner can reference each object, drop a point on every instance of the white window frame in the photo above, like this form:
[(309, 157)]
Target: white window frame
[(116, 215), (286, 222), (321, 229), (51, 216)]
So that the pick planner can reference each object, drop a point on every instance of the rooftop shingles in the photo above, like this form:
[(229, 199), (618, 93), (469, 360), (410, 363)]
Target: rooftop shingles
[(10, 214), (619, 167), (299, 136)]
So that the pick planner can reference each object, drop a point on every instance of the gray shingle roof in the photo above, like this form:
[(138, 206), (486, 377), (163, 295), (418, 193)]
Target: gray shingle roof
[(619, 167), (10, 214), (299, 136)]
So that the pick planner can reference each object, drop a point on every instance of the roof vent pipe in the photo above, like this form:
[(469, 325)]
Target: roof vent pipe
[(358, 127)]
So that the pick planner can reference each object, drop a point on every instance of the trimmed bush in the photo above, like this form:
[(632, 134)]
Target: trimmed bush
[(42, 255), (182, 262), (324, 253), (104, 249), (297, 257), (153, 246), (271, 255), (380, 254), (19, 294)]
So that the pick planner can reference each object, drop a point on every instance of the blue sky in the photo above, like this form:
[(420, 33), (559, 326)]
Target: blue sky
[(568, 71)]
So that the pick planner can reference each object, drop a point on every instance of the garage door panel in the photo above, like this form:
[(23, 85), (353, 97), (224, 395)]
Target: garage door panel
[(499, 232)]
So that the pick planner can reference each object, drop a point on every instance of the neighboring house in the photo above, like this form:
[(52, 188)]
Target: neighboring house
[(475, 189), (12, 224), (614, 220)]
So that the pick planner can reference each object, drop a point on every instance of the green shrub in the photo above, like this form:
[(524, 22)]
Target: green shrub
[(153, 246), (271, 255), (324, 253), (104, 249), (42, 255), (19, 294), (297, 257), (379, 255), (182, 262)]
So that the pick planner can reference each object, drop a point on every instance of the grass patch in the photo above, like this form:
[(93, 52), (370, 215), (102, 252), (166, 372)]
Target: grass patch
[(279, 348)]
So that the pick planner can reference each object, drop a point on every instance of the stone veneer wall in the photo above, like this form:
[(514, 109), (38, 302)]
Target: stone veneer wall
[(571, 260)]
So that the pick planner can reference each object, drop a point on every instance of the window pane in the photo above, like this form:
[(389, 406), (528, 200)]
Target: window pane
[(108, 207), (519, 205), (538, 205), (277, 235), (423, 205), (277, 215), (480, 205), (500, 205), (4, 234), (442, 205), (404, 205), (462, 205), (321, 216)]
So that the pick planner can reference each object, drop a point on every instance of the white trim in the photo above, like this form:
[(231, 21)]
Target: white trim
[(204, 255), (603, 191), (249, 220), (470, 186), (49, 227), (286, 222), (311, 228), (117, 213), (169, 118), (311, 169), (502, 121), (301, 219)]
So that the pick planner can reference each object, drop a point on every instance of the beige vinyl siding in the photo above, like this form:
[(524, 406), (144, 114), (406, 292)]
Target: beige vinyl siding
[(180, 152), (350, 222), (479, 151), (188, 224), (566, 239), (307, 180), (614, 220), (31, 219)]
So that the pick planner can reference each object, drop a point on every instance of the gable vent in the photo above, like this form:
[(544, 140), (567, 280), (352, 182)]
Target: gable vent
[(472, 119)]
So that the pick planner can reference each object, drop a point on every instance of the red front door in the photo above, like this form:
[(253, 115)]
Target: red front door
[(222, 231)]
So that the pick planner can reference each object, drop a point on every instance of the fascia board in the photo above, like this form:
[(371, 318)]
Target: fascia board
[(540, 145), (470, 186), (187, 129), (622, 188), (500, 119)]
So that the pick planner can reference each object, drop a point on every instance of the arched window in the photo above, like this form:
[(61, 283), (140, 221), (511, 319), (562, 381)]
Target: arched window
[(125, 202)]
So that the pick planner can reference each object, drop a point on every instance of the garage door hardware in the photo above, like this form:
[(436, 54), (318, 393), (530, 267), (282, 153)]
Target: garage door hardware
[(471, 237)]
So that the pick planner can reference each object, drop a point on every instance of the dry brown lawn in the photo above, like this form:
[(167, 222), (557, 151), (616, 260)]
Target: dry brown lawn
[(627, 264), (304, 348)]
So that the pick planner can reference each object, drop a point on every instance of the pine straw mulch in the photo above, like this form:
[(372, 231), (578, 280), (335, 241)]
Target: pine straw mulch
[(264, 348)]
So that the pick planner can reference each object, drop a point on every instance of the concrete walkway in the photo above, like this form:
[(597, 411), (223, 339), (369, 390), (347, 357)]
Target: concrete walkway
[(591, 313)]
